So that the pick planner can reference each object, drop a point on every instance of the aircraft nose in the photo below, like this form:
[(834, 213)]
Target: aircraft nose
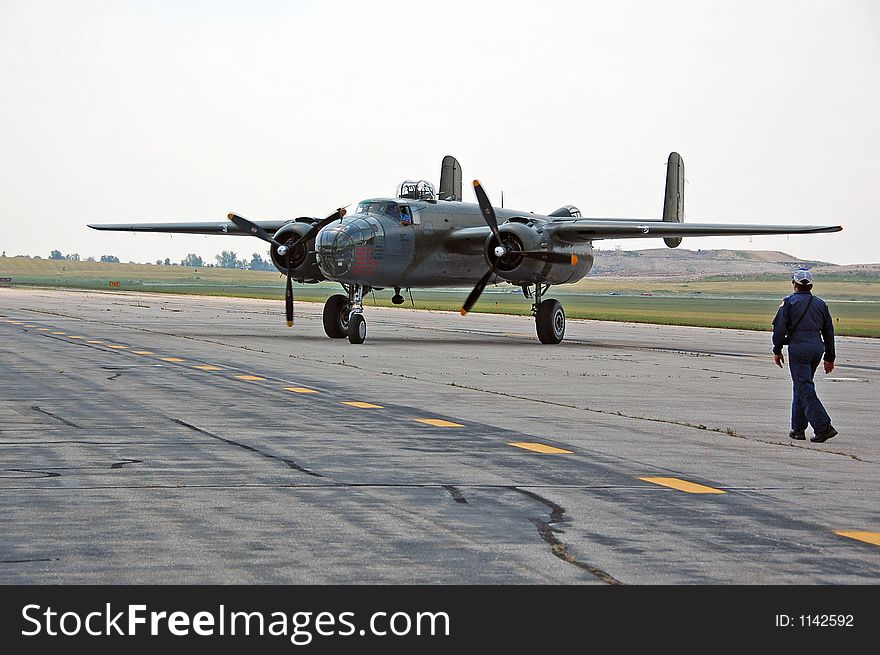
[(335, 250)]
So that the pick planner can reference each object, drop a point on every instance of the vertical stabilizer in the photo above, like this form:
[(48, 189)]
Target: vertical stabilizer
[(673, 200), (450, 179)]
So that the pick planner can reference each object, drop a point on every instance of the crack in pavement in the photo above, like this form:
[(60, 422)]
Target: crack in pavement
[(559, 549), (291, 463), (39, 409), (455, 493)]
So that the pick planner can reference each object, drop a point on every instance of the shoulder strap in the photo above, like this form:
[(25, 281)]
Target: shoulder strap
[(809, 302)]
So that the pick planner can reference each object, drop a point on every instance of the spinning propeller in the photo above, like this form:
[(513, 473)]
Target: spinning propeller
[(501, 251), (285, 249)]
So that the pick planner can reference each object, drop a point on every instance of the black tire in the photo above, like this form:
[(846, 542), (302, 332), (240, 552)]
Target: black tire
[(336, 311), (357, 328), (550, 322)]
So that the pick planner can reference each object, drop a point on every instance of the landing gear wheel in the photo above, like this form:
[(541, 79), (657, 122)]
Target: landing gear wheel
[(550, 322), (357, 328), (336, 313)]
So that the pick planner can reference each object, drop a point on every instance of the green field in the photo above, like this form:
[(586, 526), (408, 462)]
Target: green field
[(738, 303)]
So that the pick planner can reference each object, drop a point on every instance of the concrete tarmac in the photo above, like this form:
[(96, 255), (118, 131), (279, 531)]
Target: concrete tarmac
[(171, 439)]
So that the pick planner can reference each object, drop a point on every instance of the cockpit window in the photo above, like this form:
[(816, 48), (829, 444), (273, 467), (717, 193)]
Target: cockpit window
[(379, 207)]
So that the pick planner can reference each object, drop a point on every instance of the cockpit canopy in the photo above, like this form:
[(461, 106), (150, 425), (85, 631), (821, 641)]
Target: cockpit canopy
[(384, 207), (417, 190)]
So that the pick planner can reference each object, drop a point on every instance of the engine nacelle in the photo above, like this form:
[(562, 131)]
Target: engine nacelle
[(520, 234), (304, 267)]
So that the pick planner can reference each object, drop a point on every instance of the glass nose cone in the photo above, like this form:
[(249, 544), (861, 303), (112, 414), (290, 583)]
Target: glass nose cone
[(335, 250)]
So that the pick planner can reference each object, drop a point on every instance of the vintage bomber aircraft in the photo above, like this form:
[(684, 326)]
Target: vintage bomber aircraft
[(425, 239)]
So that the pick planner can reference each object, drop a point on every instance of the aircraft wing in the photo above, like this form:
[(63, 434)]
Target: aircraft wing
[(591, 229), (220, 227)]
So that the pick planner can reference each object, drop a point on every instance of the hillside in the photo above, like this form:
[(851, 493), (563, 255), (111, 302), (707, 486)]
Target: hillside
[(683, 264)]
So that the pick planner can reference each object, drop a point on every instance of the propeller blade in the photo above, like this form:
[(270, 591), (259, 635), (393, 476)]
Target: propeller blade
[(549, 256), (486, 208), (317, 227), (475, 294), (252, 228), (288, 299)]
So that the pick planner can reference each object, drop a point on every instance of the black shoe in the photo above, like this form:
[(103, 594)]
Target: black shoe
[(797, 434), (825, 435)]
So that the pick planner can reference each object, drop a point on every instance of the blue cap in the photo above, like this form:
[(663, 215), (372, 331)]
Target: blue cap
[(802, 276)]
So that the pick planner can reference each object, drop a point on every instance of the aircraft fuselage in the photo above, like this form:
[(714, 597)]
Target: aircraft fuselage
[(405, 243)]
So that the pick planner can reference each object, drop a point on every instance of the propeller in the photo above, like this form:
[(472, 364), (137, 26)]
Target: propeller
[(285, 249), (501, 251)]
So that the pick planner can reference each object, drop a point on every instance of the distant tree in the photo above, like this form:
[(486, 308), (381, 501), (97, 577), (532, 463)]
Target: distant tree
[(228, 259), (73, 257), (90, 259), (158, 262), (56, 254), (167, 261), (109, 259), (192, 260), (257, 263)]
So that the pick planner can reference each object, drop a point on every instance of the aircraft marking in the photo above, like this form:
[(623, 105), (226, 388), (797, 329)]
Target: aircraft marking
[(684, 485), (539, 448)]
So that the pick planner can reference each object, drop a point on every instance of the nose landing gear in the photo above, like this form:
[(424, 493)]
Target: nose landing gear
[(343, 315)]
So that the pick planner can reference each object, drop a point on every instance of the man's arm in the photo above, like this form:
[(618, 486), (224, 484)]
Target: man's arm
[(780, 327), (828, 339)]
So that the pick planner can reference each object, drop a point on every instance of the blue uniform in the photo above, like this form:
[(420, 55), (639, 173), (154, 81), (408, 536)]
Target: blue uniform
[(811, 342)]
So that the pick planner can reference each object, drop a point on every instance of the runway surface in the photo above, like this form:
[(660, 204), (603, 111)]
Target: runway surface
[(170, 439)]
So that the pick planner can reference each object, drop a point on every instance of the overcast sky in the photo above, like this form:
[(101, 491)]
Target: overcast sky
[(118, 110)]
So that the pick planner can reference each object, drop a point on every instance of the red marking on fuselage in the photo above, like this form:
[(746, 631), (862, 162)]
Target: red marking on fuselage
[(365, 262)]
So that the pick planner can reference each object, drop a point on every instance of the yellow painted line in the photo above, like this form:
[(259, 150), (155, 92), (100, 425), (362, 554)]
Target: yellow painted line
[(439, 423), (861, 535), (143, 352), (43, 329), (94, 341), (59, 333), (249, 378), (117, 347), (16, 322), (356, 403), (73, 337), (29, 325), (539, 448), (684, 485), (300, 390), (172, 359), (208, 367)]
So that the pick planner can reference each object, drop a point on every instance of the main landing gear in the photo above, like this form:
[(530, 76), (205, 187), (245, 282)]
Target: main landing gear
[(549, 315), (344, 317)]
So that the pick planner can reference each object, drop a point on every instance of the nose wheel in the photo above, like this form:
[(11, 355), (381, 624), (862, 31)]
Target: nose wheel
[(343, 315)]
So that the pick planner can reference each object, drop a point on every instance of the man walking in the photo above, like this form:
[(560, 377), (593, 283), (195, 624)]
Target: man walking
[(804, 323)]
